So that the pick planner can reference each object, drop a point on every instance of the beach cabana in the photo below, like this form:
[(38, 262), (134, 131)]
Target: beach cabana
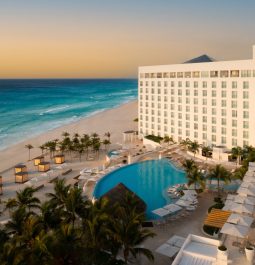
[(20, 168), (235, 230), (21, 177), (239, 208), (239, 219), (130, 136), (217, 218), (44, 166), (59, 159), (120, 194), (38, 160), (1, 185), (246, 192)]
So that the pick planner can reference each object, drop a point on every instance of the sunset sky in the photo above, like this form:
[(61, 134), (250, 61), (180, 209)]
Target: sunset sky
[(99, 38)]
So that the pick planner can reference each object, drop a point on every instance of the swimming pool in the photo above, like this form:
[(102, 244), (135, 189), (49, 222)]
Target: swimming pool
[(148, 179)]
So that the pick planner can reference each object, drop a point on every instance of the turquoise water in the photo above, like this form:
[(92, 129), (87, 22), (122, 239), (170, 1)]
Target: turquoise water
[(30, 107), (148, 179)]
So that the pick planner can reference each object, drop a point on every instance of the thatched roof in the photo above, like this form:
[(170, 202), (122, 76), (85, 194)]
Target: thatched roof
[(119, 194)]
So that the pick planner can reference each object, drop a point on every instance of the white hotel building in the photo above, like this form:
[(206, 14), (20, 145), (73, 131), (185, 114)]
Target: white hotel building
[(206, 101)]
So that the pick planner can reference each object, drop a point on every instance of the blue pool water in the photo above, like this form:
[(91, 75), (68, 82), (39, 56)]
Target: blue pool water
[(31, 107), (148, 179)]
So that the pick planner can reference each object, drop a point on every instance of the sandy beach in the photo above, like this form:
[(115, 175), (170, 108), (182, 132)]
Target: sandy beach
[(115, 121)]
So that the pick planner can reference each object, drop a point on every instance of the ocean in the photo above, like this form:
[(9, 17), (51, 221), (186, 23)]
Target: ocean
[(31, 107)]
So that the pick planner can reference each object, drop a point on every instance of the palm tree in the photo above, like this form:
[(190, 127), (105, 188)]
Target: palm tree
[(196, 177), (185, 143), (193, 147), (106, 143), (221, 174), (189, 165), (29, 147), (42, 147), (108, 134), (167, 139), (65, 134), (237, 152)]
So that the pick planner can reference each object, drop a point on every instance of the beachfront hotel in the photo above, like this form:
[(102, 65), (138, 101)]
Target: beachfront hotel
[(211, 102)]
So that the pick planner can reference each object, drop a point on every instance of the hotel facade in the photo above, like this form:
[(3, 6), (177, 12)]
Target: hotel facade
[(211, 102)]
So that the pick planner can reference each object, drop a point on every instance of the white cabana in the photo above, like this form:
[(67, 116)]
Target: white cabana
[(161, 212), (172, 208), (235, 230), (244, 199), (246, 192), (239, 219), (239, 208)]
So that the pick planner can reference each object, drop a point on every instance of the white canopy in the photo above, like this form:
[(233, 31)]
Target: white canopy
[(239, 219), (172, 208), (239, 208), (245, 191), (234, 230), (161, 212)]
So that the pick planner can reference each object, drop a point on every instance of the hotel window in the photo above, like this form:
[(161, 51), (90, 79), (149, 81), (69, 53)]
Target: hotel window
[(195, 117), (204, 74), (246, 73), (187, 133), (213, 102), (223, 140), (179, 107), (165, 91), (179, 116), (234, 84), (146, 83), (172, 83), (179, 100), (159, 91), (172, 130), (152, 91), (213, 129), (141, 83), (195, 93), (223, 112), (187, 92), (204, 127), (179, 74), (187, 84), (204, 93), (172, 91), (153, 75), (165, 128), (187, 117), (223, 130), (234, 94), (246, 104), (223, 93), (246, 114), (165, 84), (165, 98), (223, 73), (204, 110), (213, 84), (234, 132), (234, 142), (223, 103), (159, 106), (152, 112), (180, 131), (213, 93), (172, 99), (159, 120), (159, 127), (223, 84), (187, 125), (223, 121), (172, 122), (204, 136), (214, 111), (245, 143), (141, 90), (234, 73), (196, 74), (204, 101), (213, 138), (233, 104), (245, 125), (234, 113), (195, 135), (245, 134), (159, 75), (172, 75), (195, 84), (165, 106), (234, 123), (245, 94), (195, 109), (204, 118), (187, 74), (172, 114), (214, 74), (152, 119), (187, 100), (159, 98), (204, 84), (245, 84), (179, 92), (166, 75), (195, 126), (195, 100)]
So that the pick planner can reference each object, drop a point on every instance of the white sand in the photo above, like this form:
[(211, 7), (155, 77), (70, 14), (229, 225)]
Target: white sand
[(114, 120)]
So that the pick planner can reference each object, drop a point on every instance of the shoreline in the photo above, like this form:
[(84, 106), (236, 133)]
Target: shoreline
[(112, 120)]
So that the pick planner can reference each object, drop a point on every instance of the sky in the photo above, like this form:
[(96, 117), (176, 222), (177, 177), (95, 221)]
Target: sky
[(111, 38)]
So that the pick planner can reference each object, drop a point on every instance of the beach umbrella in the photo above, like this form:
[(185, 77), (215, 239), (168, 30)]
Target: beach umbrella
[(239, 219), (161, 212), (235, 230), (172, 208), (246, 192)]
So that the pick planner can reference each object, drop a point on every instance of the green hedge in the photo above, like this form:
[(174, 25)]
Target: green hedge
[(154, 138)]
